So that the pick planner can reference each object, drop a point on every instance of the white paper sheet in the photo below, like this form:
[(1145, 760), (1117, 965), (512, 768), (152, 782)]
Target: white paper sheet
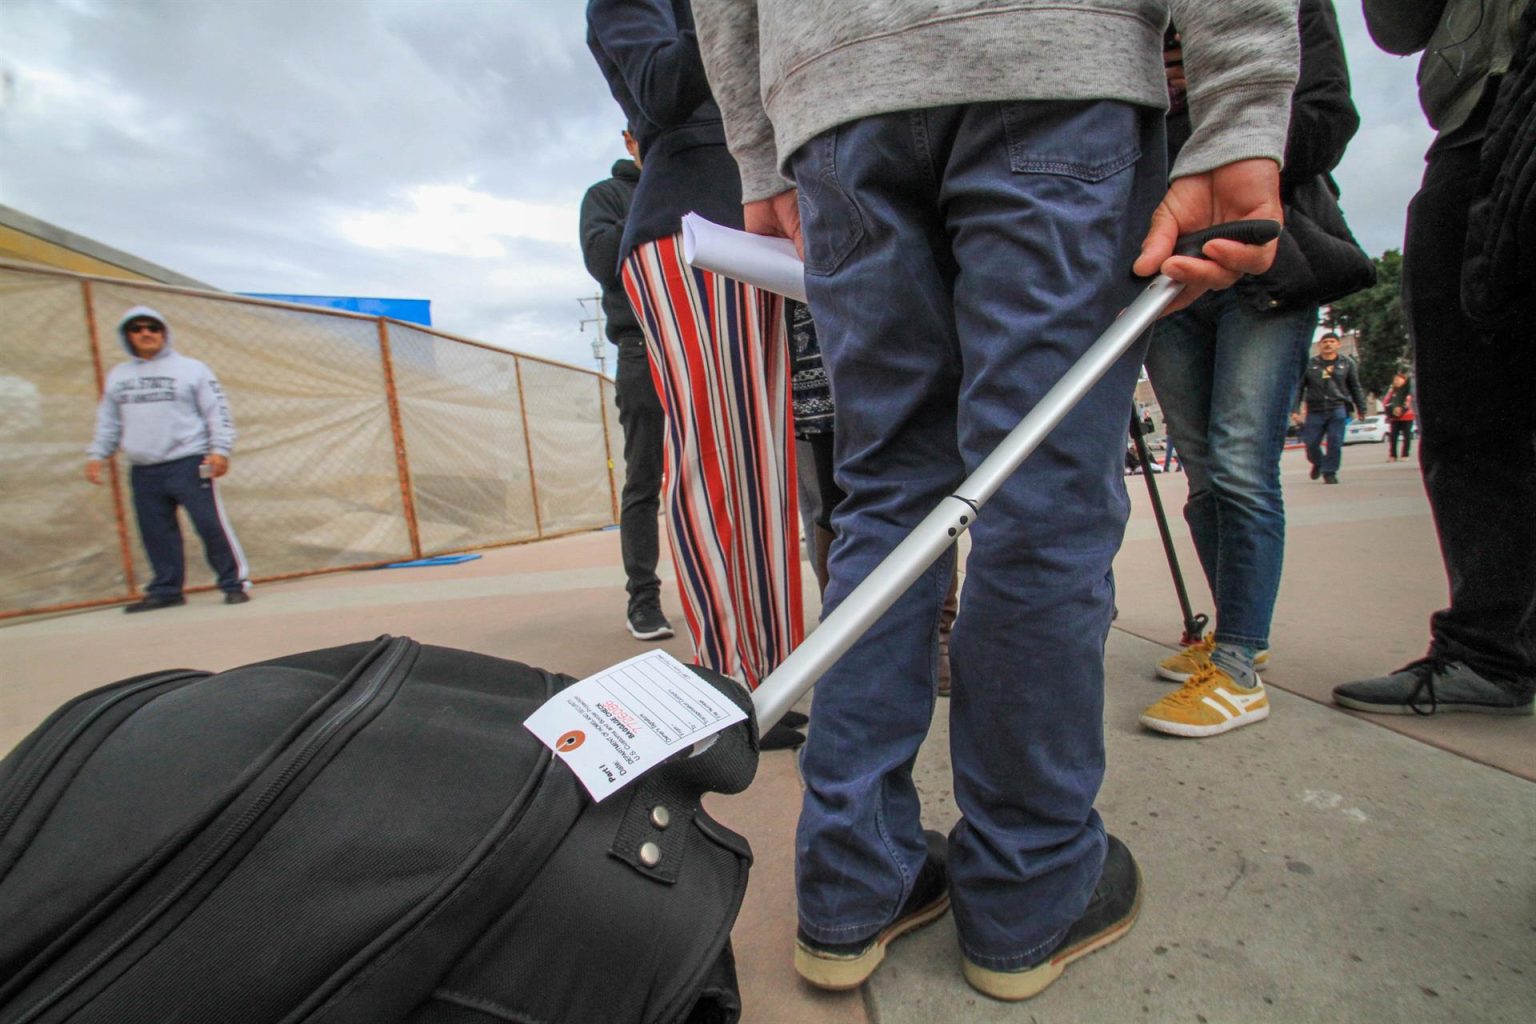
[(610, 727), (768, 263)]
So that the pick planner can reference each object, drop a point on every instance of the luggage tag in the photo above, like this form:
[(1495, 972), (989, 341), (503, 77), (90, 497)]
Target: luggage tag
[(610, 728)]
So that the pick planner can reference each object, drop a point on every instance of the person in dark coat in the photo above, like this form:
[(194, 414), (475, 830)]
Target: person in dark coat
[(1330, 386), (604, 210), (1397, 403), (1474, 363)]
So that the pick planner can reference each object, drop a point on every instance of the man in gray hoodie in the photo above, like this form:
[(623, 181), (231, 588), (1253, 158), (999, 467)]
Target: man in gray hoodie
[(976, 181), (168, 414)]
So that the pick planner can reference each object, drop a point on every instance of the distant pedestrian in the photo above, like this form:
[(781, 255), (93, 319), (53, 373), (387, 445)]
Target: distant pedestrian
[(168, 415), (1329, 386), (604, 210), (1398, 405)]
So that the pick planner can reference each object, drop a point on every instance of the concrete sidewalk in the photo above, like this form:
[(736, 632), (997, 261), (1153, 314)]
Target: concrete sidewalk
[(1317, 866)]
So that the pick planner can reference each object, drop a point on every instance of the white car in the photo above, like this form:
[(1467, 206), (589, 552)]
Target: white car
[(1372, 430)]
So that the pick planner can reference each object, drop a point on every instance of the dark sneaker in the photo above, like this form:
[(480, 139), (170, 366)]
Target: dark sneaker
[(781, 737), (1330, 478), (844, 965), (151, 604), (647, 623), (236, 597), (1111, 911), (1427, 686), (1317, 471)]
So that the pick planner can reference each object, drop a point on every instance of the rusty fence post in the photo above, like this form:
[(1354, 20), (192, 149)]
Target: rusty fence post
[(119, 508), (533, 479), (602, 415), (402, 461)]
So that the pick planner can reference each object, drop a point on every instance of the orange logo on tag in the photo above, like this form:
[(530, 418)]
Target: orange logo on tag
[(570, 741)]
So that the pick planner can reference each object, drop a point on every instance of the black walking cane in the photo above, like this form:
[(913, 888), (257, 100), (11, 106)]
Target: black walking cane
[(1194, 625)]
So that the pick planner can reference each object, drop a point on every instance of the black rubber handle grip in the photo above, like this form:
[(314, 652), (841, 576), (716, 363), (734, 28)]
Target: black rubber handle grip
[(1249, 232)]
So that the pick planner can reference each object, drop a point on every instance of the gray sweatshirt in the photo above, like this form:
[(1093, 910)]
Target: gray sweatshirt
[(783, 71), (163, 408)]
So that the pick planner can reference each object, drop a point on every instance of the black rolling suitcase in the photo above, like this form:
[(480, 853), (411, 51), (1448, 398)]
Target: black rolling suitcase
[(362, 834)]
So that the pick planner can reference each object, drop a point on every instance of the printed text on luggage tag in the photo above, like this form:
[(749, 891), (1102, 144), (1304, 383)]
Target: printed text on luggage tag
[(610, 727)]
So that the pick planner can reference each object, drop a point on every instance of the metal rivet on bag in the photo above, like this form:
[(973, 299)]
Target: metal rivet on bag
[(660, 816), (650, 854)]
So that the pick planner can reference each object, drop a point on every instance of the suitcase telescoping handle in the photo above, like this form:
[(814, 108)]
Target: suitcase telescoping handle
[(954, 515)]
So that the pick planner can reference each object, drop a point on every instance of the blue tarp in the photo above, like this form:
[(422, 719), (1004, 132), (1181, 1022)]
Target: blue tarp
[(412, 311)]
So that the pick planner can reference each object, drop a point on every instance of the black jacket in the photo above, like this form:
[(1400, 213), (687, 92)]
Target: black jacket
[(1328, 385), (1497, 275), (1317, 260), (604, 210), (649, 54)]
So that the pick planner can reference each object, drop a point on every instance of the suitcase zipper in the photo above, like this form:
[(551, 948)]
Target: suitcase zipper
[(389, 665), (43, 761)]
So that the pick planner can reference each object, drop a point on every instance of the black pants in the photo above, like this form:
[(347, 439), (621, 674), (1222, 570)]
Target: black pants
[(1477, 420), (828, 494), (157, 491), (1401, 429), (643, 423)]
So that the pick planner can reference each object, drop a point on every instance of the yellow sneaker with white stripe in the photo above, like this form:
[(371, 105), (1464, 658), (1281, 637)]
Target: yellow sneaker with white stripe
[(1208, 704), (1177, 668)]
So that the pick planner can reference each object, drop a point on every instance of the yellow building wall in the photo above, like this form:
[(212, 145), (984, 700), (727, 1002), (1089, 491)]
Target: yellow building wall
[(19, 245)]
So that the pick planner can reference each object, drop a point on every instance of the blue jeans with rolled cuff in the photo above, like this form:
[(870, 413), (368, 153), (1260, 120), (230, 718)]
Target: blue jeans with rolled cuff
[(1320, 426), (1226, 378), (959, 260)]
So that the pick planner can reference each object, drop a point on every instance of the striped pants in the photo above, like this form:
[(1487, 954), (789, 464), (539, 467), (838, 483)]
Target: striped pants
[(719, 357)]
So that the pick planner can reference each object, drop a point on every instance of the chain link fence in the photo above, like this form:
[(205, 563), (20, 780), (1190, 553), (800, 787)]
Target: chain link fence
[(362, 441)]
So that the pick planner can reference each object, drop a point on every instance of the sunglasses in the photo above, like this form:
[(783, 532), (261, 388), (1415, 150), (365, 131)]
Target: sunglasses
[(145, 328)]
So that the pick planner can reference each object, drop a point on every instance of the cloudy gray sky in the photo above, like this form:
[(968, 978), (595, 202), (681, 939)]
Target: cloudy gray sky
[(430, 149)]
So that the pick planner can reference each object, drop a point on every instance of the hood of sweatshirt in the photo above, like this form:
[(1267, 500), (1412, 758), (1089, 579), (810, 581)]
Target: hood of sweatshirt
[(626, 169), (148, 314)]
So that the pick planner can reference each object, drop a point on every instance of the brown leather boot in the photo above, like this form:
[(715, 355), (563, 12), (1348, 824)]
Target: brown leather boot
[(946, 624)]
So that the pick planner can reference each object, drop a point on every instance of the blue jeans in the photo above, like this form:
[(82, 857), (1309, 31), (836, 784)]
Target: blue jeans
[(1320, 425), (959, 260), (1225, 377)]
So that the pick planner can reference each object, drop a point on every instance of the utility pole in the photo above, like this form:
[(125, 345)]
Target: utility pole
[(595, 316)]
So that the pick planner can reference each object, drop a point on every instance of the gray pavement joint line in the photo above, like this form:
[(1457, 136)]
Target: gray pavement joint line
[(871, 1005), (316, 598), (1373, 720), (1356, 511)]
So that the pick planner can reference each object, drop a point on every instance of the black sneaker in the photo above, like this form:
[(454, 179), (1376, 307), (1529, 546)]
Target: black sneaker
[(1330, 478), (236, 597), (843, 965), (1431, 685), (647, 623), (151, 604), (1317, 471), (1111, 911)]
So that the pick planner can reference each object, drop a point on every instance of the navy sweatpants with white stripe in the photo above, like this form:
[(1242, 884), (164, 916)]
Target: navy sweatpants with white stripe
[(157, 490)]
